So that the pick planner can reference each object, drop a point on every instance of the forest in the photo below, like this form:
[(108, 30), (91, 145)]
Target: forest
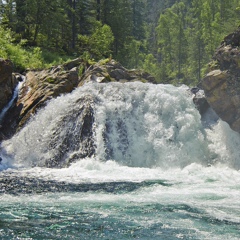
[(172, 39)]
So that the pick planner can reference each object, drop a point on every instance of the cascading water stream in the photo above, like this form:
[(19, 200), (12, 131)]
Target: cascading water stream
[(132, 161), (14, 97)]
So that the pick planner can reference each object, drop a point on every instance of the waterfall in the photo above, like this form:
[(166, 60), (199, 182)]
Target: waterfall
[(133, 124), (10, 103)]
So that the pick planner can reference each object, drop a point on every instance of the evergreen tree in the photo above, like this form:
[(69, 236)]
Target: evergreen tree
[(178, 36), (138, 7)]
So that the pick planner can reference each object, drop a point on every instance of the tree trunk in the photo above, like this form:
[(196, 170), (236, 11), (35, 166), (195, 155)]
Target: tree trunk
[(21, 15), (98, 10), (74, 25)]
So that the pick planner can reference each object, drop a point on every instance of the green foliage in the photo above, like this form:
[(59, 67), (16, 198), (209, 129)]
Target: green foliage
[(188, 34), (133, 50), (101, 40), (50, 80), (81, 70), (172, 39), (53, 58), (98, 44), (104, 61), (26, 57), (150, 64), (72, 27), (22, 58)]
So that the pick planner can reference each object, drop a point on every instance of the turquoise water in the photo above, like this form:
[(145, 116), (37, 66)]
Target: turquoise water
[(195, 203), (157, 173)]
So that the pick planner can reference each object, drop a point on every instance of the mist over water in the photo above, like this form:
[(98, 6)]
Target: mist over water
[(156, 173)]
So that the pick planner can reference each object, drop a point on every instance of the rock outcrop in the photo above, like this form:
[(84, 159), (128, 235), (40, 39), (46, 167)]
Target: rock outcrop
[(8, 82), (222, 83), (208, 116), (77, 137), (42, 85), (112, 71)]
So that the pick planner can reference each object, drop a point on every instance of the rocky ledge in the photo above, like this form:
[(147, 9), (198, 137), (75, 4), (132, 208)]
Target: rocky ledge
[(42, 85), (222, 83)]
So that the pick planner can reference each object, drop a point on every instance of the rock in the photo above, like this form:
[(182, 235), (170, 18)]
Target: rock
[(19, 77), (73, 64), (208, 115), (232, 39), (195, 90), (78, 137), (8, 82), (112, 71), (39, 87), (222, 83), (44, 85), (119, 74), (201, 104)]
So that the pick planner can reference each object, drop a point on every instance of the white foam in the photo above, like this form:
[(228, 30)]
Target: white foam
[(136, 125)]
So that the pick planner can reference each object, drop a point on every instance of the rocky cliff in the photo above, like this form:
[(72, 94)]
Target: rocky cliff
[(40, 86), (8, 82), (222, 83)]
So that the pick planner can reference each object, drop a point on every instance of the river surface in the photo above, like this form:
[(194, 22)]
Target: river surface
[(157, 172)]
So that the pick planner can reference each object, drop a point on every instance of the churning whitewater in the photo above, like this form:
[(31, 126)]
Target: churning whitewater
[(146, 168), (135, 124)]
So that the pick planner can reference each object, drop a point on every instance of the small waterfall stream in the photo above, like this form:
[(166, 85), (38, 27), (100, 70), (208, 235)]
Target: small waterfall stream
[(14, 98)]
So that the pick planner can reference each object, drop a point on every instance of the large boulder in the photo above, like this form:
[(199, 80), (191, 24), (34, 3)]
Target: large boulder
[(43, 85), (7, 82), (112, 71), (39, 87), (222, 83), (77, 137)]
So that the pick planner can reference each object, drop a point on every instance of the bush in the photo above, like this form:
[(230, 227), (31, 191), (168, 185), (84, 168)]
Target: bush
[(98, 44), (23, 58)]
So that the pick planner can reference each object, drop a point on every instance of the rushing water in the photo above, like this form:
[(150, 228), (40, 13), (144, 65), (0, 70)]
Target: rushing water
[(157, 173), (14, 97)]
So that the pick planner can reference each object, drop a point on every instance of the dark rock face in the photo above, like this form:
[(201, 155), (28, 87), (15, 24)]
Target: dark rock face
[(232, 39), (208, 115), (7, 82), (222, 83), (78, 138), (201, 104)]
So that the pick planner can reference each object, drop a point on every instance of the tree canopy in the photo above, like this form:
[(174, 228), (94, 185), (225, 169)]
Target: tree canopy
[(172, 39)]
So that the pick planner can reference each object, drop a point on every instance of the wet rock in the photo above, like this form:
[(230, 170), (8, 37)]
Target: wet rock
[(8, 82), (16, 185), (39, 87), (201, 104), (78, 137), (222, 83), (208, 115)]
